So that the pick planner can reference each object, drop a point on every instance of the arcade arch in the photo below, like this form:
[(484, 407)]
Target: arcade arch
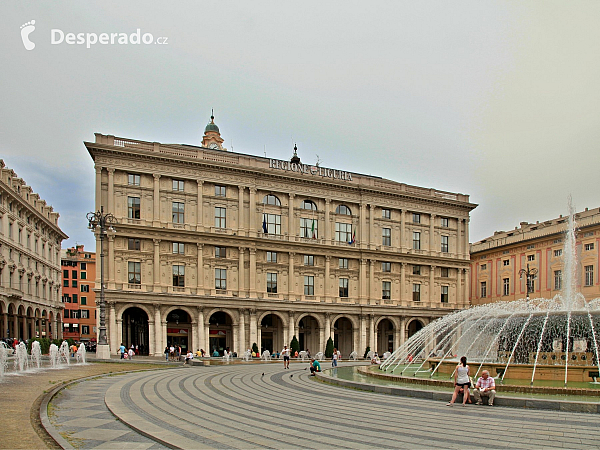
[(179, 329), (308, 334), (135, 329), (220, 332), (385, 336), (343, 336), (271, 333)]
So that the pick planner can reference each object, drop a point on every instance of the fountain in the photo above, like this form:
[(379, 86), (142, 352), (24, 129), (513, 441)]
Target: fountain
[(266, 356), (353, 356), (319, 356), (63, 353), (54, 358), (21, 360), (36, 354), (303, 355), (247, 355), (546, 340), (3, 359), (81, 354)]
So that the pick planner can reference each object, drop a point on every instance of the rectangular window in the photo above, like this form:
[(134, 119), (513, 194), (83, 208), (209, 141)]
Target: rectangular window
[(10, 229), (178, 185), (309, 260), (272, 257), (589, 246), (85, 314), (483, 289), (309, 228), (75, 298), (343, 232), (444, 246), (73, 283), (179, 248), (271, 283), (589, 275), (483, 267), (444, 272), (84, 300), (65, 274), (83, 266), (558, 252), (178, 275), (85, 288), (220, 214), (220, 191), (309, 285), (133, 244), (221, 279), (416, 218), (134, 272), (506, 262), (133, 207), (386, 290), (65, 283), (220, 252), (386, 213), (386, 236), (416, 292), (83, 275), (178, 210), (557, 280), (445, 222), (85, 329), (530, 257), (416, 269), (416, 240), (343, 287), (506, 286), (273, 222), (133, 179), (74, 274), (343, 263), (444, 294), (386, 267)]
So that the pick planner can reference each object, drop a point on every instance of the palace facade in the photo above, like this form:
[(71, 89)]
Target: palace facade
[(30, 240), (497, 261), (216, 249)]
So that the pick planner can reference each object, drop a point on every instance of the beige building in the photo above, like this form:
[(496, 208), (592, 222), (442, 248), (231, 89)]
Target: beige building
[(216, 249), (30, 278), (496, 261)]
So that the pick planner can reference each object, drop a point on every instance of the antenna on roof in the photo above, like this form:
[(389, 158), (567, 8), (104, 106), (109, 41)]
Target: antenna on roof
[(318, 161), (265, 150)]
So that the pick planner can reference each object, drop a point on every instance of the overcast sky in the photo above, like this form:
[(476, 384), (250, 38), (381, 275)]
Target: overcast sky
[(498, 100)]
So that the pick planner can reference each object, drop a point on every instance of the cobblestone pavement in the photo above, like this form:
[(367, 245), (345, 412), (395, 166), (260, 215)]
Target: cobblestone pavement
[(237, 407)]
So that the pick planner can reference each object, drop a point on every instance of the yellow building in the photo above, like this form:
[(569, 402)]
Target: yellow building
[(216, 249), (497, 261)]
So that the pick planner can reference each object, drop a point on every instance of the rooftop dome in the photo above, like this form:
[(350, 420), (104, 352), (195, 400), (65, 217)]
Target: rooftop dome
[(211, 125)]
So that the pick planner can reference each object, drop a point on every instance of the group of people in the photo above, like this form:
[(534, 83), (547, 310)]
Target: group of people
[(126, 353), (172, 352), (484, 388)]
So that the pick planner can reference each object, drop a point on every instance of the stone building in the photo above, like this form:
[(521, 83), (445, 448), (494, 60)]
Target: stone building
[(216, 249), (30, 239), (78, 282), (496, 261)]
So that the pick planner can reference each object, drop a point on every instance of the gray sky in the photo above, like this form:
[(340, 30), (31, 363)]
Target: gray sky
[(499, 100)]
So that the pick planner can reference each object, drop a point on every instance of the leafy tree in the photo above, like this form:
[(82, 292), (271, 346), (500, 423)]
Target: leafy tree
[(294, 345), (367, 351), (255, 347), (329, 348)]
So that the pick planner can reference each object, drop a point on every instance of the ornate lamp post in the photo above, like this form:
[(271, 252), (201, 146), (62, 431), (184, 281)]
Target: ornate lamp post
[(102, 223), (530, 276)]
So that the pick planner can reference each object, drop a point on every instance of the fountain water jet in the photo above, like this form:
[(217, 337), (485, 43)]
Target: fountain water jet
[(3, 359), (81, 354), (54, 358), (21, 361), (36, 354)]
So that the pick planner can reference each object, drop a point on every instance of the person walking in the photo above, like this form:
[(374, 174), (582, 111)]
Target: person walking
[(122, 351), (166, 352), (461, 381), (286, 357), (334, 358)]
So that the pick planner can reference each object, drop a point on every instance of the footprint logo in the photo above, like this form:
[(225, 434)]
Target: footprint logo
[(26, 30)]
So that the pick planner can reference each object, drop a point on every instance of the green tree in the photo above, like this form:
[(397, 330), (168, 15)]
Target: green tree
[(329, 348), (255, 347), (294, 345), (367, 351)]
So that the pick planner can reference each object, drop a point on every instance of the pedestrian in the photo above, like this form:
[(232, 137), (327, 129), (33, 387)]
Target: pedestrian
[(334, 358), (122, 351), (461, 381), (137, 350), (172, 352), (131, 352), (286, 357), (166, 352)]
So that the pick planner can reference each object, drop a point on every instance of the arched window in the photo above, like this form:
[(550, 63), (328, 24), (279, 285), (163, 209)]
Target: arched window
[(343, 209), (309, 204), (271, 200)]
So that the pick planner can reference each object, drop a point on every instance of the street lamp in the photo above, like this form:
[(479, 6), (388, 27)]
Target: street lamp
[(530, 276), (102, 223)]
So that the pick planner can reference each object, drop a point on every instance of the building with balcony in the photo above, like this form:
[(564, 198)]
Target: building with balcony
[(496, 261), (30, 239), (78, 283), (216, 249)]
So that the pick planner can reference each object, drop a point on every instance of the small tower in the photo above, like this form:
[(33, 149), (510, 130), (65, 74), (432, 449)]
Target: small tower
[(295, 158), (212, 137)]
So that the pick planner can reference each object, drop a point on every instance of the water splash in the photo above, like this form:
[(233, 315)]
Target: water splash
[(3, 359), (21, 360), (81, 354), (36, 354)]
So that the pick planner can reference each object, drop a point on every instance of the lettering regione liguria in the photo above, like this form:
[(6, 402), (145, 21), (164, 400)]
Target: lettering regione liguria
[(307, 169)]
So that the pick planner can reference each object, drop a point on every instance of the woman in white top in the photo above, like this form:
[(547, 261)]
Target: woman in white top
[(461, 381)]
